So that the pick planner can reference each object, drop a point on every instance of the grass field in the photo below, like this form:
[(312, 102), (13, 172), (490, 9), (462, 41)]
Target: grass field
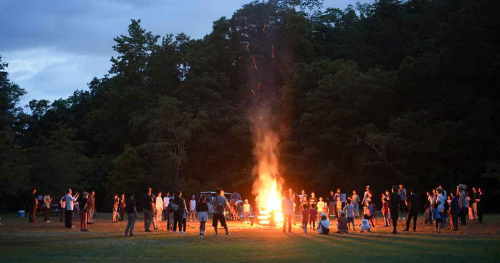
[(51, 242)]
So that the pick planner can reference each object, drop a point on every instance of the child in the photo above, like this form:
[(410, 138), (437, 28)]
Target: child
[(323, 225), (365, 224), (192, 209), (349, 211), (246, 210), (385, 211), (305, 217), (342, 226), (471, 210), (321, 205), (437, 216), (312, 216), (232, 211), (372, 213)]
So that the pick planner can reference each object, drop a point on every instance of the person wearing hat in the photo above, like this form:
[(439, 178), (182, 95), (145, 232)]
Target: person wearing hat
[(462, 202), (324, 225), (84, 212)]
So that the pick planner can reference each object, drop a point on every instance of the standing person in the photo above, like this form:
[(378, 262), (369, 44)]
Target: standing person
[(84, 212), (394, 203), (202, 209), (287, 208), (355, 203), (116, 204), (123, 205), (236, 196), (246, 211), (442, 200), (153, 212), (338, 204), (76, 206), (32, 205), (331, 204), (91, 207), (475, 194), (462, 202), (413, 201), (471, 210), (62, 206), (47, 202), (454, 211), (313, 200), (148, 210), (479, 204), (402, 205), (366, 196), (313, 213), (219, 204), (427, 209), (444, 192), (305, 217), (159, 207), (192, 209), (437, 216), (349, 211), (69, 208), (179, 207), (132, 215), (302, 196), (385, 210), (166, 202), (321, 205)]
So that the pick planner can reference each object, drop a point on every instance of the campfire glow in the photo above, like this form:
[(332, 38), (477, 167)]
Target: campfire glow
[(268, 185)]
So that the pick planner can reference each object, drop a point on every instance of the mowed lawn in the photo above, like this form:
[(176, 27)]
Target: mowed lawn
[(51, 242)]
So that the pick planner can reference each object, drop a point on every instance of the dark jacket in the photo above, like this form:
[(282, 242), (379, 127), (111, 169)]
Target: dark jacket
[(394, 203), (148, 203), (413, 203), (181, 203), (84, 205), (32, 201), (202, 207), (454, 206)]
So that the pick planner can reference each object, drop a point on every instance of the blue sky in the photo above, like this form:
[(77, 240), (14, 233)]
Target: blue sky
[(55, 47)]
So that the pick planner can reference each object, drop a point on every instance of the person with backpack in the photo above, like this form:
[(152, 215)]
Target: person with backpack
[(219, 204), (179, 208)]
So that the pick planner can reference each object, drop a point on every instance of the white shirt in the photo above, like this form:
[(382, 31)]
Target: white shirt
[(159, 203), (324, 223), (166, 201), (365, 225), (192, 204), (320, 205), (69, 202)]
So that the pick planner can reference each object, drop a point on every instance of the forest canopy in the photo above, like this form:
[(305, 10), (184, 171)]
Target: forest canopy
[(375, 94)]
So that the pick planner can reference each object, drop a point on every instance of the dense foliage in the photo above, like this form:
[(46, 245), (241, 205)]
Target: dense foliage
[(381, 93)]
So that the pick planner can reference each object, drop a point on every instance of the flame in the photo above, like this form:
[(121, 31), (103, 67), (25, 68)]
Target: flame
[(268, 185)]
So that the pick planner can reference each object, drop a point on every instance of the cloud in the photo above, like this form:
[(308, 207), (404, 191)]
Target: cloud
[(57, 46)]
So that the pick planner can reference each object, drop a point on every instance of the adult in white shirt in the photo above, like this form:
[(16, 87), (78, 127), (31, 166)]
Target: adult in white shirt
[(366, 196), (159, 207), (69, 208)]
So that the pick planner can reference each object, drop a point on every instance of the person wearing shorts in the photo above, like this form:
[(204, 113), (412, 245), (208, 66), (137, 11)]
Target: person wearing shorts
[(219, 204)]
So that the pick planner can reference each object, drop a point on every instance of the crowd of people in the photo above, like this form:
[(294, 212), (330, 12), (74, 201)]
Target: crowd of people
[(311, 212)]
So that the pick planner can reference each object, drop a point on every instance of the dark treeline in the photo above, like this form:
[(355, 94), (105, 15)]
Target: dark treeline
[(381, 93)]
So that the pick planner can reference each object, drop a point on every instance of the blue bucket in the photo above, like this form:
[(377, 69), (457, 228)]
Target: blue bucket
[(20, 213)]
